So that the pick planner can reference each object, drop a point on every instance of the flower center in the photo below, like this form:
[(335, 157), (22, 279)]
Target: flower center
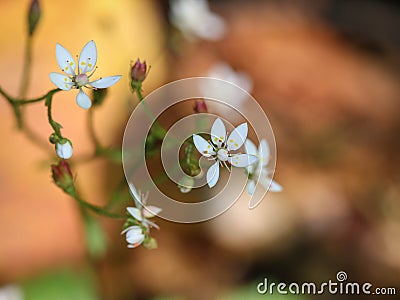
[(222, 154), (81, 80)]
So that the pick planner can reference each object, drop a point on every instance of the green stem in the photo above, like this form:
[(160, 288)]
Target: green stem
[(94, 208), (49, 102), (92, 133), (27, 68)]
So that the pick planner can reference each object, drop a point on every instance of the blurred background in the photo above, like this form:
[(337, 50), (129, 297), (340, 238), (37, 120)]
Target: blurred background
[(325, 72)]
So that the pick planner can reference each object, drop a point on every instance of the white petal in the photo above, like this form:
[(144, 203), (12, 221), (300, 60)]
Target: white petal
[(65, 60), (213, 175), (61, 81), (270, 184), (264, 152), (135, 194), (237, 137), (250, 147), (64, 150), (83, 100), (135, 237), (105, 82), (88, 57), (251, 187), (242, 160), (218, 132), (131, 227), (203, 146), (135, 212), (150, 211), (212, 28), (275, 187)]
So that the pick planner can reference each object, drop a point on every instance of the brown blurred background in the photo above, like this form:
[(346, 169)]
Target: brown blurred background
[(325, 72)]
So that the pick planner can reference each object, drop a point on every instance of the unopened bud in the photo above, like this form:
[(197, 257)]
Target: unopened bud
[(33, 16), (64, 149), (200, 106), (62, 175), (139, 71)]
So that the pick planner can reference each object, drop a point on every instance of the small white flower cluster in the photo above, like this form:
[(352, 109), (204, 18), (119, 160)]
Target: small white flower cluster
[(138, 225), (78, 77), (220, 149)]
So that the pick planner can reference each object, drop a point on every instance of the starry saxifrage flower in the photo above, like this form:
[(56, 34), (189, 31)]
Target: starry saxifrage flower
[(259, 173), (220, 148), (79, 76)]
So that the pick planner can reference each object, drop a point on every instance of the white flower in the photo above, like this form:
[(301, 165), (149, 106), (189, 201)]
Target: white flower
[(194, 19), (134, 236), (78, 77), (259, 173), (64, 150), (224, 71), (142, 212), (11, 292), (220, 148)]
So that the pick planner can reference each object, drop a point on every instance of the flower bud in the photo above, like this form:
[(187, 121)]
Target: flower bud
[(64, 149), (200, 106), (139, 71), (62, 175), (33, 16)]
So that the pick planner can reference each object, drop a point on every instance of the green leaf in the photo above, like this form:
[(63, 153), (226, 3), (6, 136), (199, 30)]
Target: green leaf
[(61, 285), (95, 237)]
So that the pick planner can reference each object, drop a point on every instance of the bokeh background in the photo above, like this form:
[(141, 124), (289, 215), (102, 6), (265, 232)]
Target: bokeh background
[(327, 75)]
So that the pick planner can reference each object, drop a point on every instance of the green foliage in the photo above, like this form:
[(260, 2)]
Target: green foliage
[(61, 285)]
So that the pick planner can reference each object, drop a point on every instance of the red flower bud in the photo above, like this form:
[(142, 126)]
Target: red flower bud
[(200, 106), (62, 176), (139, 71)]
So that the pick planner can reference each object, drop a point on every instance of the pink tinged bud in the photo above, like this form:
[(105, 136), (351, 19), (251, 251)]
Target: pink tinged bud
[(139, 71), (200, 106), (62, 175), (64, 150)]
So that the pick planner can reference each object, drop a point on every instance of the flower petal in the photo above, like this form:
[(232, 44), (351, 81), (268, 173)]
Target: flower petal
[(213, 174), (251, 187), (134, 227), (237, 137), (61, 81), (135, 237), (65, 60), (65, 150), (242, 160), (88, 57), (83, 100), (203, 146), (250, 147), (135, 212), (150, 211), (105, 82), (218, 132), (135, 193), (264, 152), (270, 185)]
